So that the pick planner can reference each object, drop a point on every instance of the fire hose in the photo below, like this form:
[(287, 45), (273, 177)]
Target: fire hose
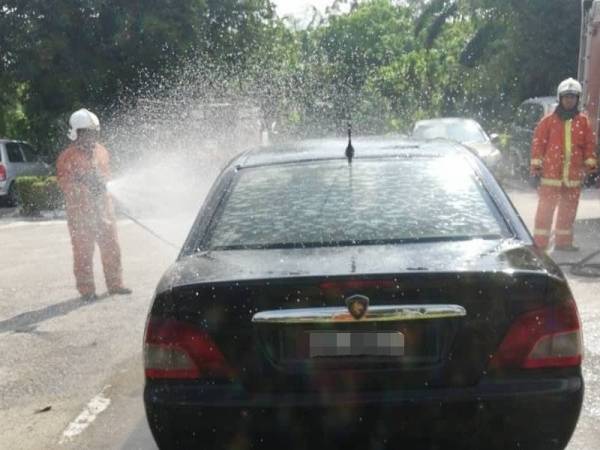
[(583, 267), (122, 210)]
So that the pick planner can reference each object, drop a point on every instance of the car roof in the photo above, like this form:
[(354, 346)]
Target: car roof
[(446, 120), (541, 100), (334, 148)]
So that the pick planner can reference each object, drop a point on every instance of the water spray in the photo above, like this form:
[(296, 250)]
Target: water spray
[(123, 210), (145, 227), (172, 137)]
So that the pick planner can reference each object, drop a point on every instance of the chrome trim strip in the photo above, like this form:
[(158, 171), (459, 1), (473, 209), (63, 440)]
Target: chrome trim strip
[(384, 313)]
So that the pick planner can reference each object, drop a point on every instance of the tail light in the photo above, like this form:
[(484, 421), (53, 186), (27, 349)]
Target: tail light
[(548, 337), (179, 350), (2, 172)]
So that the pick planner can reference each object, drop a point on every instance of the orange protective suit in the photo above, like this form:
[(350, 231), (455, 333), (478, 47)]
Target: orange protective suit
[(82, 177), (563, 150)]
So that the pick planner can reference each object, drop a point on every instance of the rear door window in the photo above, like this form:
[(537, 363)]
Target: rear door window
[(376, 201), (13, 152), (30, 154)]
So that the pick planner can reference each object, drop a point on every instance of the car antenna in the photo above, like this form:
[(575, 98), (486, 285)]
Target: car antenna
[(349, 148)]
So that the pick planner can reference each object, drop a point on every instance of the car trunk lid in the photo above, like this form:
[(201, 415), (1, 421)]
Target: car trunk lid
[(292, 329)]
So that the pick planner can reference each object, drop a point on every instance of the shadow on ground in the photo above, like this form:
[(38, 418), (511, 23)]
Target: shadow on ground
[(27, 322), (586, 262)]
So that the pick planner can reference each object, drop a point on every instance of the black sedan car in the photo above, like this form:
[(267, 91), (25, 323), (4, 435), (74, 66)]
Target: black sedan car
[(394, 302)]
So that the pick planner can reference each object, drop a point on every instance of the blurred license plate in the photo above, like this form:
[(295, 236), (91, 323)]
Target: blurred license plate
[(356, 344)]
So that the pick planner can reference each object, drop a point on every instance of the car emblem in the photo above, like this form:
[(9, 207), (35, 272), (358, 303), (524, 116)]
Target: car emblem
[(357, 306)]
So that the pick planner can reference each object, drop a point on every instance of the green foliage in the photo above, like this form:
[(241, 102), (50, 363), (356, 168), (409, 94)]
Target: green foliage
[(342, 54), (13, 121), (542, 45), (74, 53), (383, 63), (37, 194), (272, 76), (526, 48), (426, 82)]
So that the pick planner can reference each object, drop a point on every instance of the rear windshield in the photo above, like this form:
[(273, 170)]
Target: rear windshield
[(374, 202)]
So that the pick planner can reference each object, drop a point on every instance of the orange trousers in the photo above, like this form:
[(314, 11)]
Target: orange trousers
[(567, 200), (86, 231)]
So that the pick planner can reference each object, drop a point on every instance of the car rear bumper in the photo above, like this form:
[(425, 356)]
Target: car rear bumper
[(525, 412)]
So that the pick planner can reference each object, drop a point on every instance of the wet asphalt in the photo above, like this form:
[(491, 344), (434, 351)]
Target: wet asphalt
[(59, 353)]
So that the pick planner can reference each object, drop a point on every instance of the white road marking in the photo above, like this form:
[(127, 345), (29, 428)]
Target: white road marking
[(91, 411)]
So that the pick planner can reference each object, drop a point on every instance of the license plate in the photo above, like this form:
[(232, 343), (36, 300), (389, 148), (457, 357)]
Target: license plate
[(329, 344)]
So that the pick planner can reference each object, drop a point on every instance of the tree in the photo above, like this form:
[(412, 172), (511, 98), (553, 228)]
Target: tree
[(425, 82), (348, 49), (382, 63), (72, 53), (514, 43)]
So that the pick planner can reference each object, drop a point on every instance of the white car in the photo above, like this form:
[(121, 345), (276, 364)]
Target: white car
[(465, 131), (17, 159)]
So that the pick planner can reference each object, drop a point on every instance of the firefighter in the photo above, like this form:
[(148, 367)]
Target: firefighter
[(563, 150), (82, 171)]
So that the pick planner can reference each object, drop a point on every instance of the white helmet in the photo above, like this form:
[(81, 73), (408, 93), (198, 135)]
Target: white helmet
[(82, 119), (569, 86)]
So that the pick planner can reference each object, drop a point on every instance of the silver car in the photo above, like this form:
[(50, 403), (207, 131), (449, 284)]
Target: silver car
[(466, 131), (17, 159)]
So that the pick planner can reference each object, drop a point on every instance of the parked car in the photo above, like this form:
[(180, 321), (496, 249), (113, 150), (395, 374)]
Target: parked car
[(395, 302), (528, 115), (17, 159), (466, 131)]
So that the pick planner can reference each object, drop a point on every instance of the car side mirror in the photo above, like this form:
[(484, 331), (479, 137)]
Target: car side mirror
[(495, 138)]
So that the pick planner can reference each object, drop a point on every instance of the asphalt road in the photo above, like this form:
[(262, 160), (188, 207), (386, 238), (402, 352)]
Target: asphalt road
[(71, 372)]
